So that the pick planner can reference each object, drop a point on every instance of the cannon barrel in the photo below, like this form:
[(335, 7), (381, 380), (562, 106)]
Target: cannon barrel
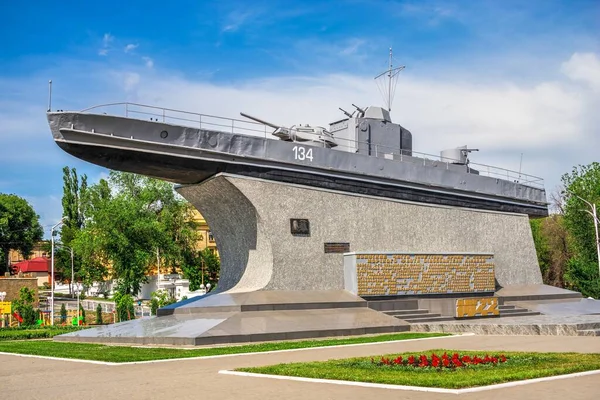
[(260, 121)]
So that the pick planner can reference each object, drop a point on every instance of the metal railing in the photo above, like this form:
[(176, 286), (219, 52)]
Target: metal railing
[(251, 128)]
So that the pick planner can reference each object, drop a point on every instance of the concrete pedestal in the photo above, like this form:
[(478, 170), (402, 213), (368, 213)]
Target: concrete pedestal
[(282, 267), (252, 219)]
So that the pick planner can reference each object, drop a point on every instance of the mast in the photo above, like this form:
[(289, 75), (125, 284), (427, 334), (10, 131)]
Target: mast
[(387, 90), (390, 83)]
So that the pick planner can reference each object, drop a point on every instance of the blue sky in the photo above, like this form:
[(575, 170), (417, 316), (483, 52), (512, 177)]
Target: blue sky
[(509, 77)]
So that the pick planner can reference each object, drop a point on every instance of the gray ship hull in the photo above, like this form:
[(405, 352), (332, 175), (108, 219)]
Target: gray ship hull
[(188, 155)]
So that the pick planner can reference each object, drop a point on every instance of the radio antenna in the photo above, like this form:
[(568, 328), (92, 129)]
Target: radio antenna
[(391, 74)]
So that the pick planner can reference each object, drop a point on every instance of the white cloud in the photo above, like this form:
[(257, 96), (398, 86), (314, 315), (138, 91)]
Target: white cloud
[(238, 18), (130, 47), (107, 39), (149, 62), (130, 80), (583, 67)]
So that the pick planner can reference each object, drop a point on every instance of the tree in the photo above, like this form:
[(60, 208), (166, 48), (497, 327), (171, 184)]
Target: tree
[(63, 313), (24, 306), (99, 314), (129, 219), (74, 216), (551, 240), (582, 272), (202, 266), (19, 228)]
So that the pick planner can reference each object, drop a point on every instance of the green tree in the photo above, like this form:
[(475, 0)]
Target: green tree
[(129, 219), (201, 266), (63, 313), (124, 306), (582, 183), (24, 306), (19, 228), (551, 240), (74, 194), (99, 314)]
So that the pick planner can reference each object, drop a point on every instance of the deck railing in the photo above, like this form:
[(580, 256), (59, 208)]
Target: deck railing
[(251, 128)]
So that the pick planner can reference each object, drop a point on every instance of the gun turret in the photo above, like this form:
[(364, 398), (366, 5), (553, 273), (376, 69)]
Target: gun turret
[(360, 110), (346, 113), (261, 121)]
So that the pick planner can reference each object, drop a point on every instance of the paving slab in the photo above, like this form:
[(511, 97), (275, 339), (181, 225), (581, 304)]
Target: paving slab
[(191, 379)]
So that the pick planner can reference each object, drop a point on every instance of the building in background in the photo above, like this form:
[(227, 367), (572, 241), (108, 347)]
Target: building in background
[(205, 237)]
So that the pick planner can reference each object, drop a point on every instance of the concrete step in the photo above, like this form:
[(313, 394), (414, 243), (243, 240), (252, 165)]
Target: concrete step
[(506, 307), (406, 317), (589, 332), (513, 310), (524, 313), (393, 305), (396, 313), (429, 318)]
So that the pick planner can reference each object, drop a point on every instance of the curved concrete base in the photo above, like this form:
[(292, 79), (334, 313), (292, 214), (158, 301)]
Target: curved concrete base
[(250, 220)]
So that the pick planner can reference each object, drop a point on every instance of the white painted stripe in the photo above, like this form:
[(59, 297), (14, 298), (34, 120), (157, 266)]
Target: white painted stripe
[(233, 355), (334, 382), (413, 388), (58, 358)]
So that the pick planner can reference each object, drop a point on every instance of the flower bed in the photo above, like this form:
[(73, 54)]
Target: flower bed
[(435, 361), (438, 368)]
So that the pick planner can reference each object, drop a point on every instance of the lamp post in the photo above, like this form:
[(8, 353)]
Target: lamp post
[(594, 215), (52, 272)]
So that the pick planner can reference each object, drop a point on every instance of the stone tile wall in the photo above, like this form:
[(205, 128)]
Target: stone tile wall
[(12, 286)]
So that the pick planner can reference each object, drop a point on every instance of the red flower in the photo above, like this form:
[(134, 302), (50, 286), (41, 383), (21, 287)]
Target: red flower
[(398, 360), (424, 361), (502, 358), (411, 360)]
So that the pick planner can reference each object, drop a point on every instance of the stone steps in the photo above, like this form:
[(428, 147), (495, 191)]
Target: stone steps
[(428, 318), (507, 310), (588, 332), (397, 313)]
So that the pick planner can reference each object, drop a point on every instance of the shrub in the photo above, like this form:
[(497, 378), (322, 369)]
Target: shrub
[(63, 313), (124, 305), (82, 313), (99, 314), (24, 306)]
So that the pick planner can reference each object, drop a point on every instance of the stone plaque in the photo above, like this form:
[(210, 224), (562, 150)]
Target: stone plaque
[(337, 247), (300, 227), (401, 274), (477, 307)]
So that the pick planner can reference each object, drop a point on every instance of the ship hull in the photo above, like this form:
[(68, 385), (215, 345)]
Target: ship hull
[(187, 155)]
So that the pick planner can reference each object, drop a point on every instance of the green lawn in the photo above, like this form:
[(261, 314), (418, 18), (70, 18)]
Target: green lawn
[(518, 367), (117, 354)]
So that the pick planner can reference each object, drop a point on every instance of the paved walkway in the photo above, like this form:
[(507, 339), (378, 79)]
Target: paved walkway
[(31, 378)]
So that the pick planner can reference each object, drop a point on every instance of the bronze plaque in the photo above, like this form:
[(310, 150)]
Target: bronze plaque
[(337, 247), (299, 227)]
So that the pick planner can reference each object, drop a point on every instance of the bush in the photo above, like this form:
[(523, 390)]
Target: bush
[(124, 305), (99, 314), (24, 306), (63, 313), (82, 313), (153, 306), (39, 332)]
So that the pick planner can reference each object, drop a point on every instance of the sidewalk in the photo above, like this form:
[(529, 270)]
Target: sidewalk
[(191, 379)]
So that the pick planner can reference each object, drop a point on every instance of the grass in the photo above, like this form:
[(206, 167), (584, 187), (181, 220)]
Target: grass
[(119, 354), (520, 366), (34, 332)]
